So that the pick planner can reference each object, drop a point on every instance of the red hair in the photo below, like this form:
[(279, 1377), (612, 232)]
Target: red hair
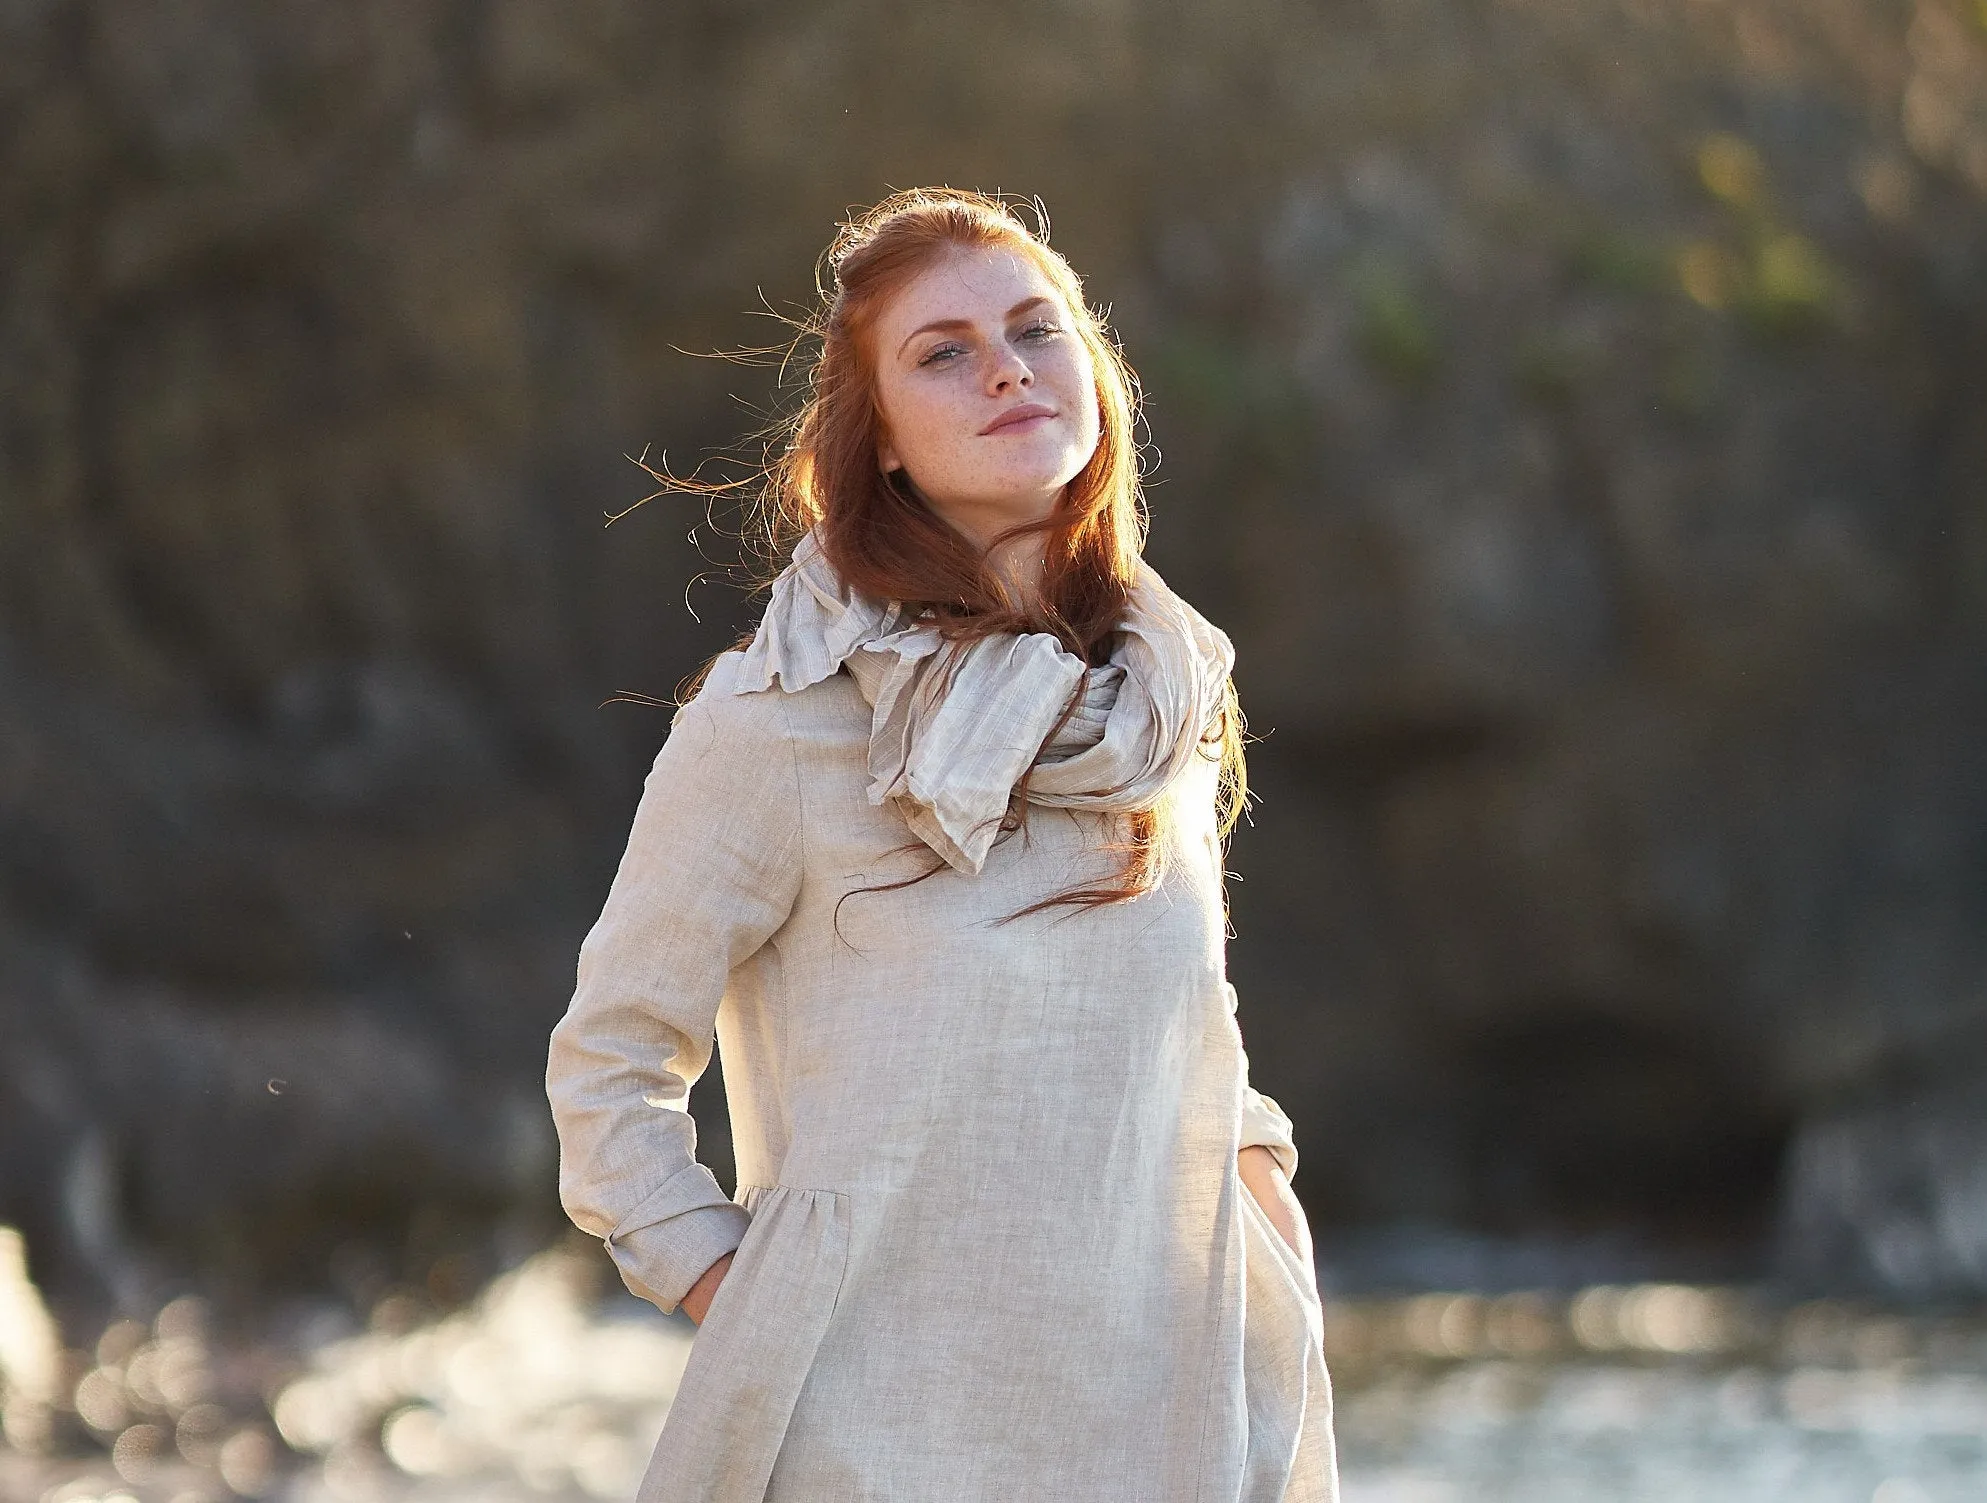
[(886, 543)]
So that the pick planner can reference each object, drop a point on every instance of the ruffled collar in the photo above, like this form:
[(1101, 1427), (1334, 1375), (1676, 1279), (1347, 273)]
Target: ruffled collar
[(956, 724)]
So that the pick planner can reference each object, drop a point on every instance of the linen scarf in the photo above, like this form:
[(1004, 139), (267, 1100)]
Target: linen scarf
[(956, 725)]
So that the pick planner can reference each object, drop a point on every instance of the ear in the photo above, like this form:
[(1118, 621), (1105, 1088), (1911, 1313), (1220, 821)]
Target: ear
[(886, 457)]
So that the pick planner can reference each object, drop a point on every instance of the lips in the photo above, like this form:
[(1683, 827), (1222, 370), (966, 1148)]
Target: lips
[(1023, 413)]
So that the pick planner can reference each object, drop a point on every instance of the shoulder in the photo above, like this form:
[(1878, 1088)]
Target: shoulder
[(742, 720), (722, 683), (735, 730)]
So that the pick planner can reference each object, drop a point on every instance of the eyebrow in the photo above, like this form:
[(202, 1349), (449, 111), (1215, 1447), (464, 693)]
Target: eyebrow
[(966, 323)]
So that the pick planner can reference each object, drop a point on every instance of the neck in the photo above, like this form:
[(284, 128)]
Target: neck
[(1017, 561)]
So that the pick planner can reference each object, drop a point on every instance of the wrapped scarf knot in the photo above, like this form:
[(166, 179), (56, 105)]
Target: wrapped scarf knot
[(956, 724)]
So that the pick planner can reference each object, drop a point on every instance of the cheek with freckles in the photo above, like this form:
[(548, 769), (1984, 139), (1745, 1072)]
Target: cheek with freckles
[(938, 443)]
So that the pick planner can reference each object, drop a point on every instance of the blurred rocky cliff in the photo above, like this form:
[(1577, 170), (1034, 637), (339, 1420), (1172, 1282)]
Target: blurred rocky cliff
[(1574, 409)]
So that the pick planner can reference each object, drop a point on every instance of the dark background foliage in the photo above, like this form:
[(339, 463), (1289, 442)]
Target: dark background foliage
[(1572, 408)]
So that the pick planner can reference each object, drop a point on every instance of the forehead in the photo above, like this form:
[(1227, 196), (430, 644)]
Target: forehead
[(975, 283)]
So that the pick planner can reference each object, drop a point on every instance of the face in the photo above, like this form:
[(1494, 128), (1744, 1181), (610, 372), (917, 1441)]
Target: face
[(988, 395)]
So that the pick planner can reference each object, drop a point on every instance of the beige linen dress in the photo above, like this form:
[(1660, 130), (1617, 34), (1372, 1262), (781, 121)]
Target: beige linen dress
[(991, 1241)]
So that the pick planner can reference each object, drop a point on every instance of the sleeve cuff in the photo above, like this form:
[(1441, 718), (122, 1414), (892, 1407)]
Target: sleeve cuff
[(1265, 1125), (669, 1240)]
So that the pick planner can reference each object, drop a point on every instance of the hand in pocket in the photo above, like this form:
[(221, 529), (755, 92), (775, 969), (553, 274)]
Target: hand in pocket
[(1263, 1177), (698, 1300)]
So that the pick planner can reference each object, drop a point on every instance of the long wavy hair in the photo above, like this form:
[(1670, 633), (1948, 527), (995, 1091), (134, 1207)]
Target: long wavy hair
[(820, 471)]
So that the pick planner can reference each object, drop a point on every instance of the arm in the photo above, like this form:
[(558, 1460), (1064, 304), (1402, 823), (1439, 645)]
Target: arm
[(1267, 1162), (711, 870)]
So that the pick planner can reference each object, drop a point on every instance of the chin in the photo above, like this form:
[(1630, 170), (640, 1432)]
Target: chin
[(1051, 473), (1021, 495)]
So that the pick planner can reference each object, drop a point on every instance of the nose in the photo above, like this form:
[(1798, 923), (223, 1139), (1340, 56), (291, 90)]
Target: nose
[(1009, 372)]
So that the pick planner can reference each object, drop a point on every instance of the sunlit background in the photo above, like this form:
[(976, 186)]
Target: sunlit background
[(1575, 410)]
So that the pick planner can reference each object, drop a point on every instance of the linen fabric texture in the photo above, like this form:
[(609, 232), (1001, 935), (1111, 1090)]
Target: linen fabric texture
[(990, 1240), (956, 725)]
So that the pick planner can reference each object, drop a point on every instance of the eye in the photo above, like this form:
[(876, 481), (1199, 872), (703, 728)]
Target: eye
[(939, 353), (1042, 330)]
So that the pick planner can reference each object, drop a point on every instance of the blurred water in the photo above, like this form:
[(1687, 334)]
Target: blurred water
[(548, 1388), (1657, 1391), (1500, 1430)]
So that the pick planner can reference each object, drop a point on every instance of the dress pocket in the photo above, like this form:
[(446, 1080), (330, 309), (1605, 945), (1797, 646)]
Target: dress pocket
[(753, 1351), (1290, 1455), (1265, 1241)]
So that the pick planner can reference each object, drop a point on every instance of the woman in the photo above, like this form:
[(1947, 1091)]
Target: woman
[(937, 857)]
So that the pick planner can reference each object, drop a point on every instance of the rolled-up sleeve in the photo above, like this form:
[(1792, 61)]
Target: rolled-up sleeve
[(1264, 1123), (711, 871)]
